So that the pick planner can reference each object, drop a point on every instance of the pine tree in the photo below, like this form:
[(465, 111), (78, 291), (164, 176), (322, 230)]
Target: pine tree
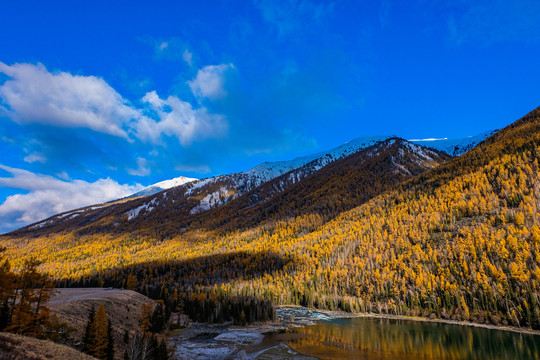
[(4, 315), (131, 283), (242, 319), (28, 313), (146, 315), (87, 333), (96, 337), (158, 318), (7, 289), (99, 332), (110, 342), (162, 352), (154, 347)]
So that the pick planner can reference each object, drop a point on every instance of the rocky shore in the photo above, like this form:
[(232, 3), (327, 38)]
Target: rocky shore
[(228, 342)]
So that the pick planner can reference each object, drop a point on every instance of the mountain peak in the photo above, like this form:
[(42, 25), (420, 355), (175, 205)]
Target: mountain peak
[(163, 185)]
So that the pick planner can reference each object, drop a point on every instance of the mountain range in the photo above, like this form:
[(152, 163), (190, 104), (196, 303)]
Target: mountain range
[(379, 225), (192, 196)]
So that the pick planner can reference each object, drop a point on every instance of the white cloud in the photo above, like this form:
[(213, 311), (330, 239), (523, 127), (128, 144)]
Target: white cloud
[(178, 118), (142, 168), (163, 45), (192, 168), (34, 95), (35, 157), (48, 195), (188, 57), (209, 81), (63, 175)]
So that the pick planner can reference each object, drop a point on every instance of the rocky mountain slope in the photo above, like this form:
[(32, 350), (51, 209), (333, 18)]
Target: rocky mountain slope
[(337, 187), (191, 196)]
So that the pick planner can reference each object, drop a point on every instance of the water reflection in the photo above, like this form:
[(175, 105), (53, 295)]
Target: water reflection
[(383, 339)]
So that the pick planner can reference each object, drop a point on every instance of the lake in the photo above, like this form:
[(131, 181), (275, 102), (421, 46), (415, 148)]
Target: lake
[(385, 339)]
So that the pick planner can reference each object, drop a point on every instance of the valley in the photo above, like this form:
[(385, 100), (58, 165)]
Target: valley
[(384, 227), (270, 180)]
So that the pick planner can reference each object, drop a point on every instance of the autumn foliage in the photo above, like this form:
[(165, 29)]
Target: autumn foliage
[(461, 241), (23, 299)]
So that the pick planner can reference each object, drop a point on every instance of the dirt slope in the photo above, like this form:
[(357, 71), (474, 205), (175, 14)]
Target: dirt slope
[(123, 308), (18, 347)]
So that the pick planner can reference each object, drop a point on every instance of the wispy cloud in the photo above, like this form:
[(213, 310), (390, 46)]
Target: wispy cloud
[(163, 45), (192, 168), (142, 168), (491, 21), (210, 81), (289, 16), (48, 195), (171, 49), (35, 157), (188, 57)]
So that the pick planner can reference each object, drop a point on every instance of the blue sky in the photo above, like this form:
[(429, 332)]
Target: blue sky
[(99, 98)]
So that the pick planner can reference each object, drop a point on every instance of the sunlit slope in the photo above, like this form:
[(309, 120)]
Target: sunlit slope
[(460, 242), (166, 208), (464, 246)]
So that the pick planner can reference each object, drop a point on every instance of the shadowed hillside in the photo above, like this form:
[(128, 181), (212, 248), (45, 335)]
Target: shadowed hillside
[(18, 347)]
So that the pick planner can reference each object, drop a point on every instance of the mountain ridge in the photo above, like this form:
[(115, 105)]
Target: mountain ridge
[(201, 195), (348, 181)]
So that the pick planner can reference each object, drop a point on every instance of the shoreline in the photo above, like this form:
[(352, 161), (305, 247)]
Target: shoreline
[(346, 315), (227, 341)]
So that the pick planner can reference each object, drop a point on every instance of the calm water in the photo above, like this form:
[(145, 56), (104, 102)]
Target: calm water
[(383, 339)]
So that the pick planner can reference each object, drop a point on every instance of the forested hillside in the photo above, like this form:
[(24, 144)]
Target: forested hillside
[(460, 241)]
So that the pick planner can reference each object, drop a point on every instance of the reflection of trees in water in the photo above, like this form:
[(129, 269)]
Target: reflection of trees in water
[(388, 339)]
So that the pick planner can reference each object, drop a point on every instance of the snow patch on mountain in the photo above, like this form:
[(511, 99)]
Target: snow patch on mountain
[(199, 184), (146, 207), (454, 147), (212, 200), (41, 224), (270, 170)]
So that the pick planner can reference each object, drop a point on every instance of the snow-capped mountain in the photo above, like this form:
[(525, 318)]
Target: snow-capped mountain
[(454, 147), (163, 185), (183, 197), (270, 170), (228, 187), (338, 186), (219, 190)]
